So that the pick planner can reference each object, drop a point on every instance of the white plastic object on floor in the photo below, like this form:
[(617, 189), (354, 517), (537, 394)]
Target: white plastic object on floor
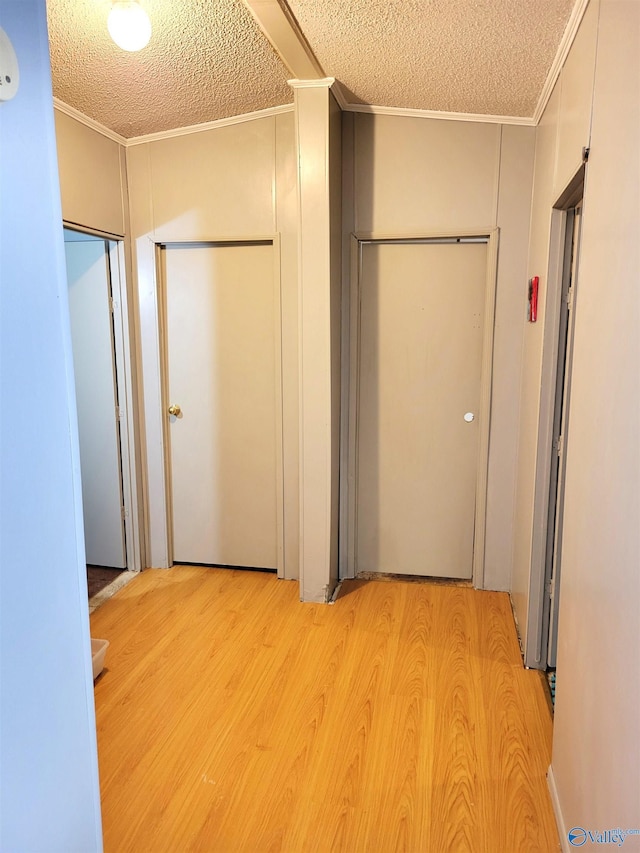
[(98, 652)]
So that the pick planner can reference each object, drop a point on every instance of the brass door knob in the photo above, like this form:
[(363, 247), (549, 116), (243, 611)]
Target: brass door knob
[(174, 410)]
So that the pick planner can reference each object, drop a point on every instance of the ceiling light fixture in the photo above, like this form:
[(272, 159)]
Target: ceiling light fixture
[(129, 25)]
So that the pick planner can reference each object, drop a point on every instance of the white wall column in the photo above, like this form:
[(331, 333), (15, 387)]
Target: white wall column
[(318, 139)]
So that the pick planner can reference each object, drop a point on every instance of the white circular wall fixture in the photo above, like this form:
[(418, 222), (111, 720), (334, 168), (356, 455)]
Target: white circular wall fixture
[(9, 73)]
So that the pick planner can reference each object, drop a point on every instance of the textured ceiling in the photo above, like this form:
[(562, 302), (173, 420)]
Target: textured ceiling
[(208, 59), (468, 56)]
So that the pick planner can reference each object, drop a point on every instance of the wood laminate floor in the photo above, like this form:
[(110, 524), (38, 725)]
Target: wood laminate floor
[(233, 718)]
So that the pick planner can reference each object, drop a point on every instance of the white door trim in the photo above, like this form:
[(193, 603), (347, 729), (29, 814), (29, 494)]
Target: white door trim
[(124, 374), (534, 653), (125, 404), (161, 461), (350, 373)]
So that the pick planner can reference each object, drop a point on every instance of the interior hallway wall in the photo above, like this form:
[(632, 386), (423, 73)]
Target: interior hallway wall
[(563, 131), (49, 786), (427, 177), (231, 182), (596, 749)]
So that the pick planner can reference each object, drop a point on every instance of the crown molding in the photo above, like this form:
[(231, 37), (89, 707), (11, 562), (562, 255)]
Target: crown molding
[(166, 134), (442, 116), (209, 125), (337, 90), (564, 47), (91, 123), (338, 93), (321, 83), (325, 83), (568, 37)]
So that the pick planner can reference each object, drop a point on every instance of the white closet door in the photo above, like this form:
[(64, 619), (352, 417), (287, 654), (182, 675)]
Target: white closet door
[(94, 369), (221, 356), (421, 330)]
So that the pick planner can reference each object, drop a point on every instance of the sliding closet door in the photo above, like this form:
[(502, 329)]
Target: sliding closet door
[(95, 379)]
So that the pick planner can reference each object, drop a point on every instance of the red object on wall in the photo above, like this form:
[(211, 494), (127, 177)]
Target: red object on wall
[(532, 310)]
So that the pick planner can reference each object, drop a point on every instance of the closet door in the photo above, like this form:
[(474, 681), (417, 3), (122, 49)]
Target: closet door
[(89, 288), (223, 403), (420, 360)]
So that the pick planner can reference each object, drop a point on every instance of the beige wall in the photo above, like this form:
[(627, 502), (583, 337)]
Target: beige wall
[(92, 176), (235, 181), (562, 133), (425, 177), (595, 772), (216, 183), (596, 748)]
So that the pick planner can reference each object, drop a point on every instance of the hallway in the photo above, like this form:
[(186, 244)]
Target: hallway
[(232, 718)]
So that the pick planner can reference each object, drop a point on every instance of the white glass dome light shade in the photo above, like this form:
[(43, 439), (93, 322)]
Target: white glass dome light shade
[(129, 25)]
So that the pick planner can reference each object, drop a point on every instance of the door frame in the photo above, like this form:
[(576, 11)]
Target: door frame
[(534, 646), (125, 391), (558, 462), (124, 379), (350, 374), (166, 498)]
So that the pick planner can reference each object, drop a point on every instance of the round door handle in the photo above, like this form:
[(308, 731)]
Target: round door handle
[(175, 410), (469, 416)]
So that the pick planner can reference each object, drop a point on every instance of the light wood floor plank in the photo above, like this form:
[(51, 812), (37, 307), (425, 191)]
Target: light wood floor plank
[(233, 719)]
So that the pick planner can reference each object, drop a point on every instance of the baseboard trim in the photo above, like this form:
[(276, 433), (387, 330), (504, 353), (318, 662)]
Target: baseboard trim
[(555, 801)]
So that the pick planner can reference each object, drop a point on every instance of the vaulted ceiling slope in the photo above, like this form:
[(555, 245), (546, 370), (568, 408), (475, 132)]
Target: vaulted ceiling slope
[(209, 59), (464, 56)]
